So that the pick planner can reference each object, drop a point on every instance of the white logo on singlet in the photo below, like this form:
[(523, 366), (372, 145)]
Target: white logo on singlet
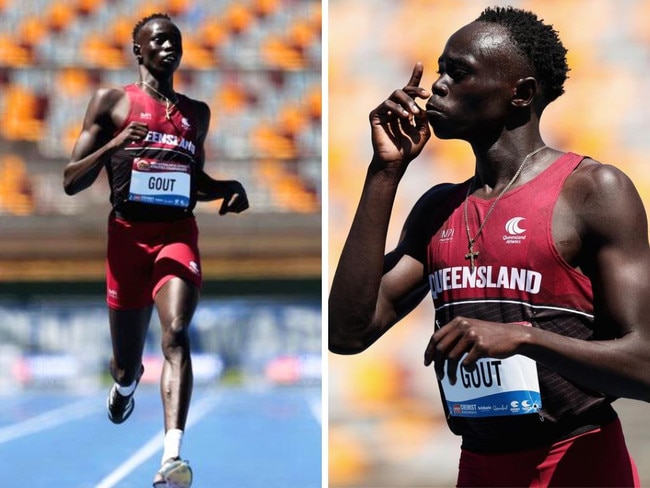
[(145, 115), (512, 226), (514, 231), (447, 235)]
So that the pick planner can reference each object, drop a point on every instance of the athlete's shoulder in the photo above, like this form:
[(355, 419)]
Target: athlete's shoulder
[(435, 206), (109, 95), (107, 106), (438, 195), (597, 177), (197, 105), (201, 111)]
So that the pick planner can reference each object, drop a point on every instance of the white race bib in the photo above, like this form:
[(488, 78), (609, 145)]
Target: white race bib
[(160, 183), (496, 387)]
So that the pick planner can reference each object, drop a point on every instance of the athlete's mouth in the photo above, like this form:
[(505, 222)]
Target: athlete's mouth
[(170, 58), (433, 109)]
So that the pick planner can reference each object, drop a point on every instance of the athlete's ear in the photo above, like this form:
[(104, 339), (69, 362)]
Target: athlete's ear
[(524, 92), (137, 52)]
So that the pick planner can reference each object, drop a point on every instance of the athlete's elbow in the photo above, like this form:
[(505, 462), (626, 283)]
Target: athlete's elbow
[(70, 188), (348, 339), (345, 348)]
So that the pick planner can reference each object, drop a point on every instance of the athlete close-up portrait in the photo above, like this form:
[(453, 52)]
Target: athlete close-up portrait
[(533, 256)]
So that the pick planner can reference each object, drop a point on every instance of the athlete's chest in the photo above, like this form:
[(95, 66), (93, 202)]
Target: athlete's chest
[(478, 232)]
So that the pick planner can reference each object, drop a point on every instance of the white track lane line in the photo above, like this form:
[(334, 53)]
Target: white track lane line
[(48, 420), (316, 409), (197, 412)]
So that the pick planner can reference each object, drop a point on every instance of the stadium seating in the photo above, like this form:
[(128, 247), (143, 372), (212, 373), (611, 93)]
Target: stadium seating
[(256, 63)]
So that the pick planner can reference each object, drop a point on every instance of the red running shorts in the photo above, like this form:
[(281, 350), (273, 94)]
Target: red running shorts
[(142, 256), (598, 458)]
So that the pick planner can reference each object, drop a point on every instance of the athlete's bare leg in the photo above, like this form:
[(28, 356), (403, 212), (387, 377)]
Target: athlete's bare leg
[(176, 302), (128, 335)]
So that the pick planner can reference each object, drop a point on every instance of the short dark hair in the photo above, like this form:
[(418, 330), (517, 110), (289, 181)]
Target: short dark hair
[(143, 21), (538, 42)]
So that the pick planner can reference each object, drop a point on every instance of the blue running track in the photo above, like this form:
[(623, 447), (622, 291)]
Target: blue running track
[(237, 437)]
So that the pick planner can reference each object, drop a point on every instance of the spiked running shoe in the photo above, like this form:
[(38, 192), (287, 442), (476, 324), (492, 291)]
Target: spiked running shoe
[(120, 407), (174, 473)]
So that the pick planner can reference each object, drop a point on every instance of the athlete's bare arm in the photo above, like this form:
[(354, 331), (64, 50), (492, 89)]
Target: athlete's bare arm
[(367, 296), (610, 223), (232, 192), (96, 143)]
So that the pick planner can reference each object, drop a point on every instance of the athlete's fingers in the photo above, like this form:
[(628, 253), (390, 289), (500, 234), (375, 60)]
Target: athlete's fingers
[(416, 75), (223, 210), (239, 203), (235, 203), (439, 362), (430, 351), (452, 360), (449, 347), (400, 104), (138, 125), (136, 131), (396, 106)]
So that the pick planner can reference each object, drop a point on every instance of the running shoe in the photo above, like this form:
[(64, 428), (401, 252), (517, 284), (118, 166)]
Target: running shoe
[(174, 473), (120, 407)]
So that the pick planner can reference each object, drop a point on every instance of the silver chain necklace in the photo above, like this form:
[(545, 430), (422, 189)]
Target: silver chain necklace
[(472, 255), (169, 105)]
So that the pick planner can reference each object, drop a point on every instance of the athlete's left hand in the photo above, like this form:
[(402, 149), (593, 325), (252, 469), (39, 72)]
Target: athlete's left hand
[(235, 199), (477, 338)]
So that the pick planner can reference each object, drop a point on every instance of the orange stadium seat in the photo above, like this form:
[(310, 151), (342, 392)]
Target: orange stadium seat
[(87, 7), (30, 32), (13, 54), (291, 120), (212, 33), (24, 114), (238, 18), (277, 52), (265, 8), (231, 97), (97, 52), (16, 192), (268, 142), (109, 48), (73, 81), (177, 7), (287, 188), (59, 16), (196, 54)]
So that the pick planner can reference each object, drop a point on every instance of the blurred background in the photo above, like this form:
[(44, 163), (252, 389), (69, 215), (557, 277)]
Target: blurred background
[(257, 63), (385, 418)]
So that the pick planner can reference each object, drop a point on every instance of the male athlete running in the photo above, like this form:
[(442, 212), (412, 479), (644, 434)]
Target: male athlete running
[(150, 140), (537, 266)]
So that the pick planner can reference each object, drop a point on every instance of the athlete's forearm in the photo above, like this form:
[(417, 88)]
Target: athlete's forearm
[(620, 367), (80, 174), (209, 189), (355, 287)]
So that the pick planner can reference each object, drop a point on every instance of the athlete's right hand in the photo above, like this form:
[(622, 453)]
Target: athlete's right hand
[(134, 132), (399, 127)]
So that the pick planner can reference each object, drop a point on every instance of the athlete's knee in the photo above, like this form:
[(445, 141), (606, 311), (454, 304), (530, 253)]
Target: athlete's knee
[(175, 335), (124, 374)]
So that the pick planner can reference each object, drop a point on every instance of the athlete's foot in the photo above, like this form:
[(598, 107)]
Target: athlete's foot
[(119, 406), (174, 473)]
